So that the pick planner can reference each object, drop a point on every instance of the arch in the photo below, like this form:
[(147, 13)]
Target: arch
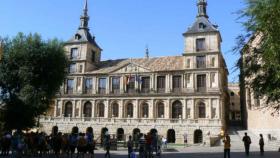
[(171, 136), (115, 110), (144, 110), (103, 132), (129, 110), (160, 110), (89, 130), (201, 110), (100, 110), (75, 130), (177, 110), (87, 109), (135, 134), (198, 137), (68, 110), (153, 131), (120, 134)]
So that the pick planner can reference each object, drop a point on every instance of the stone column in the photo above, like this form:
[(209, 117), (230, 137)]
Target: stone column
[(167, 109), (210, 108), (106, 110), (218, 109), (55, 108), (193, 109), (151, 109), (94, 87), (167, 87), (184, 113), (155, 86), (93, 109), (81, 108), (121, 84), (107, 85), (135, 109), (152, 81), (121, 109), (73, 108)]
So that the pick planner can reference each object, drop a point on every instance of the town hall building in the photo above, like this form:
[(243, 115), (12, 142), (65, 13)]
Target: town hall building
[(181, 97)]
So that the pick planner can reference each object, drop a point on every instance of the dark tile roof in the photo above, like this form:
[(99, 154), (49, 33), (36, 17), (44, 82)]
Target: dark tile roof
[(208, 26)]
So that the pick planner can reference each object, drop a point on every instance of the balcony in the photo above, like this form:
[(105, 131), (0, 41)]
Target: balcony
[(69, 91), (177, 90), (201, 89), (88, 91), (145, 90), (161, 90), (101, 91), (115, 91)]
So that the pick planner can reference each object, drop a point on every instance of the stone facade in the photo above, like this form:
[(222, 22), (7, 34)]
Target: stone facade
[(258, 116), (234, 104), (179, 96)]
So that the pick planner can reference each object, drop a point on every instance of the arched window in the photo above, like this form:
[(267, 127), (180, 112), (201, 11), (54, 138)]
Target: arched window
[(68, 111), (115, 110), (201, 110), (120, 134), (160, 110), (129, 110), (100, 110), (177, 110), (144, 110), (87, 109)]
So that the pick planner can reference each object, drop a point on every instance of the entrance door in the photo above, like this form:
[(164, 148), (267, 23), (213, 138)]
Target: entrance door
[(198, 138), (171, 136)]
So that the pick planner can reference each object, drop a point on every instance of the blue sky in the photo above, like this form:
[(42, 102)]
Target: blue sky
[(123, 28)]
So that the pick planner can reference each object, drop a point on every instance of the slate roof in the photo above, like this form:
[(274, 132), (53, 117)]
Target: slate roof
[(85, 36), (172, 63), (208, 26)]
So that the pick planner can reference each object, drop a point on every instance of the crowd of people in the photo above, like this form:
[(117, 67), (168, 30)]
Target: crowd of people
[(57, 144)]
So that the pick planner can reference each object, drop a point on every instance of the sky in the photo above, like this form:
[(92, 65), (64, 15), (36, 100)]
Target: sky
[(123, 28)]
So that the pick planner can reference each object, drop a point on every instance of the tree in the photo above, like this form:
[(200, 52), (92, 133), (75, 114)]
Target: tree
[(261, 23), (31, 72)]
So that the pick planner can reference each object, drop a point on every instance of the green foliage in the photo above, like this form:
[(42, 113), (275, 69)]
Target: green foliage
[(31, 73), (261, 19)]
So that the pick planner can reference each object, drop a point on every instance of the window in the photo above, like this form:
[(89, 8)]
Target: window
[(88, 85), (129, 110), (100, 110), (102, 85), (72, 68), (93, 54), (115, 110), (188, 63), (160, 110), (201, 62), (213, 62), (80, 68), (115, 85), (213, 79), (74, 53), (202, 26), (79, 81), (145, 87), (131, 84), (232, 94), (161, 84), (201, 83), (188, 78), (201, 110), (200, 44), (70, 86), (145, 110), (177, 84)]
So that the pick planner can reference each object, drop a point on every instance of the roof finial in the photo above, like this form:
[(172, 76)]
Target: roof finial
[(202, 8), (85, 18), (147, 52)]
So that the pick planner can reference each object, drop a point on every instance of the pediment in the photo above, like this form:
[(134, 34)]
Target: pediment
[(131, 68)]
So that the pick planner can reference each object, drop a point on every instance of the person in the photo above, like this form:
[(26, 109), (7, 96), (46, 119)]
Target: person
[(73, 140), (129, 146), (164, 142), (142, 146), (81, 145), (90, 142), (227, 146), (247, 141), (261, 143), (107, 145), (6, 144), (149, 145)]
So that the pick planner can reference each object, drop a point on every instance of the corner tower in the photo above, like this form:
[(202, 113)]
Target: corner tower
[(82, 49)]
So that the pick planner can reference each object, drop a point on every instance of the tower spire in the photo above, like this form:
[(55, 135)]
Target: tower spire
[(147, 55), (84, 17), (202, 8)]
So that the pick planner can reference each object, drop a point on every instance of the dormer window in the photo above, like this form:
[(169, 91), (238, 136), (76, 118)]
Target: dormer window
[(77, 36), (200, 44), (202, 26)]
